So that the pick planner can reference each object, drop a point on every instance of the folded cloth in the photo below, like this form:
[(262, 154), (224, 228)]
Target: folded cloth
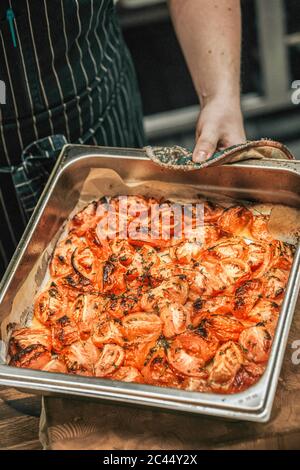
[(179, 158)]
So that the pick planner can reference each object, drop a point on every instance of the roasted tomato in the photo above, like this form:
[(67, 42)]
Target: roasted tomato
[(50, 305), (235, 220), (229, 248), (157, 370), (234, 271), (34, 356), (128, 374), (175, 318), (247, 375), (60, 264), (214, 276), (107, 331), (219, 304), (196, 384), (56, 365), (189, 353), (162, 272), (186, 251), (212, 212), (211, 234), (84, 220), (24, 337), (85, 264), (114, 277), (226, 364), (81, 357), (259, 258), (136, 271), (264, 311), (123, 250), (119, 305), (64, 333), (30, 348), (85, 311), (111, 358), (246, 296), (282, 255), (224, 327), (174, 289), (141, 327), (256, 343), (275, 281)]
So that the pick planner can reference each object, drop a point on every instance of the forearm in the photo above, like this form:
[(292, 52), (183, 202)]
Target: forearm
[(209, 32)]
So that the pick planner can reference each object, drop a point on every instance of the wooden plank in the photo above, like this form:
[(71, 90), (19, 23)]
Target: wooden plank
[(19, 420), (30, 445)]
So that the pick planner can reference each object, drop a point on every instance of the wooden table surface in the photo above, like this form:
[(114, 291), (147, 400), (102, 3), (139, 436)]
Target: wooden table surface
[(19, 418)]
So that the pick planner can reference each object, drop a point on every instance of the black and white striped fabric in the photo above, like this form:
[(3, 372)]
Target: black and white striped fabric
[(69, 78)]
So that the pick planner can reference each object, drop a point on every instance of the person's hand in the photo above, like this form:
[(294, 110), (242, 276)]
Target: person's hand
[(220, 125)]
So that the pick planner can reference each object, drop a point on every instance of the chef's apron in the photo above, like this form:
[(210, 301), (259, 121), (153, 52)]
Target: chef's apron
[(69, 78)]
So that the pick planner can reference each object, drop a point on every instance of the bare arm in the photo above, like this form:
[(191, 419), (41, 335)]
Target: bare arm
[(209, 32)]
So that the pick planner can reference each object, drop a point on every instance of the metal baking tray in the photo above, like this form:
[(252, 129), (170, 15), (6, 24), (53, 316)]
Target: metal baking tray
[(271, 181)]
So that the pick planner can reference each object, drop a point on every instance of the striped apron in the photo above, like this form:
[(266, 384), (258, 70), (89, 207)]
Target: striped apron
[(69, 78)]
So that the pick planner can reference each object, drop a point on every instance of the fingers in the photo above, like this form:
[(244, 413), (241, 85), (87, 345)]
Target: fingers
[(206, 145)]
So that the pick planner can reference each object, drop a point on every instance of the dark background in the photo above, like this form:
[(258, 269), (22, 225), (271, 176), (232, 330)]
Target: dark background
[(270, 63)]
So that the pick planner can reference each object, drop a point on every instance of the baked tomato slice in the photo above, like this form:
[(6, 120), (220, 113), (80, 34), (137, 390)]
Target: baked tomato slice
[(85, 311), (56, 365), (128, 374), (111, 358), (234, 271), (117, 306), (235, 220), (264, 311), (25, 337), (186, 252), (211, 234), (229, 248), (246, 296), (157, 370), (107, 331), (113, 277), (35, 356), (64, 332), (206, 306), (224, 327), (141, 327), (212, 212), (189, 353), (175, 289), (80, 357), (50, 305), (84, 220), (275, 281), (175, 318), (256, 343), (226, 364), (283, 255), (60, 264), (259, 258), (85, 264)]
